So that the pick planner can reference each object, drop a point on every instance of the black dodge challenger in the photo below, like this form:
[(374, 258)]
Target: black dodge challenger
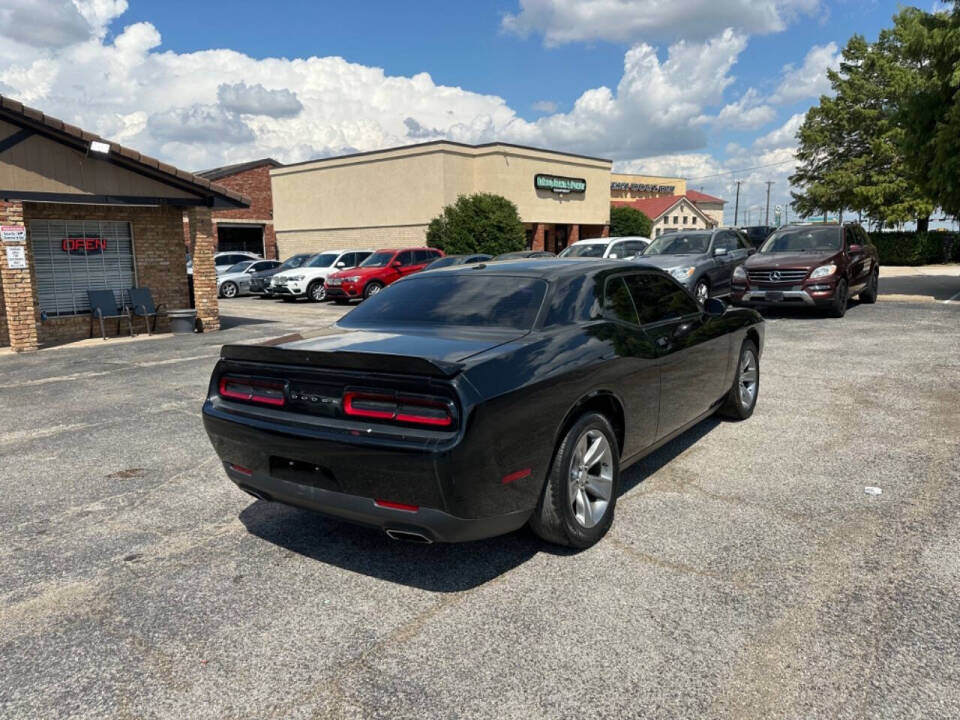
[(463, 403)]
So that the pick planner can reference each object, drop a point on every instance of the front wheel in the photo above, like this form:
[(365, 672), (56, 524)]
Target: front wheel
[(742, 397), (579, 497), (701, 291), (869, 294), (839, 307), (372, 288), (228, 290), (317, 291)]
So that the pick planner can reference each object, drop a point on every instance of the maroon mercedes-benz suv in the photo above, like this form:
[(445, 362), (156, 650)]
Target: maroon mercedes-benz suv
[(810, 265)]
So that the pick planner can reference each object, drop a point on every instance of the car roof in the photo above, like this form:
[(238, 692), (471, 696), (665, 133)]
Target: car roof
[(546, 268)]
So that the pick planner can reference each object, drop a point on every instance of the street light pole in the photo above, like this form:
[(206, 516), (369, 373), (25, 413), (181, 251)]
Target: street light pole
[(736, 207), (769, 183)]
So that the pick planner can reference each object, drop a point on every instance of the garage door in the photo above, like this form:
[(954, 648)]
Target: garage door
[(71, 257)]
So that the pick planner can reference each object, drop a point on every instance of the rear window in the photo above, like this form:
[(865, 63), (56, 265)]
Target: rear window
[(456, 300)]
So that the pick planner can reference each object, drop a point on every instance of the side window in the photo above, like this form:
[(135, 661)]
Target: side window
[(632, 247), (617, 250), (659, 298), (406, 257), (422, 256), (361, 256), (617, 303), (349, 260), (725, 240), (742, 242)]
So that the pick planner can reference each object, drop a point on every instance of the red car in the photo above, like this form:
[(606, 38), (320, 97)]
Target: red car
[(378, 271)]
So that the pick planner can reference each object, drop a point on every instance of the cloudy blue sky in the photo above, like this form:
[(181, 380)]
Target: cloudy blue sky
[(710, 89)]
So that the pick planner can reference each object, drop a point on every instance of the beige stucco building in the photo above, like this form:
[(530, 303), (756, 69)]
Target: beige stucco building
[(387, 198)]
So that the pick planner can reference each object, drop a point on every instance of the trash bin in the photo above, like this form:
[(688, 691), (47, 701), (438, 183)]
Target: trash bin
[(182, 321)]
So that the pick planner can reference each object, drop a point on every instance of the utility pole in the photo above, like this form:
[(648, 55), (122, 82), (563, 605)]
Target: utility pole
[(769, 183), (736, 207)]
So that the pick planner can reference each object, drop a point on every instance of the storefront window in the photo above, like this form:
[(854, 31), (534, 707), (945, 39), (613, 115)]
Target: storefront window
[(71, 257)]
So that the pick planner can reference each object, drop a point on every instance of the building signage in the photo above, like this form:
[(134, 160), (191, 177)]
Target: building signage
[(83, 245), (557, 184), (16, 258), (642, 187), (13, 233)]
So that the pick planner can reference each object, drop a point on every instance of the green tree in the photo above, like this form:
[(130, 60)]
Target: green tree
[(850, 151), (481, 223), (626, 221), (930, 111)]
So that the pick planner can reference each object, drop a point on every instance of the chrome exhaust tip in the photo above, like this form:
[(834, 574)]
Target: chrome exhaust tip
[(409, 536)]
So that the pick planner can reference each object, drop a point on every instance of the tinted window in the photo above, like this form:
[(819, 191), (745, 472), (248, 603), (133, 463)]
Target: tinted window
[(585, 250), (239, 267), (294, 262), (378, 259), (406, 257), (803, 239), (679, 243), (361, 256), (726, 240), (265, 265), (446, 262), (322, 260), (632, 247), (452, 299), (617, 303), (423, 256), (348, 260), (659, 298), (742, 242)]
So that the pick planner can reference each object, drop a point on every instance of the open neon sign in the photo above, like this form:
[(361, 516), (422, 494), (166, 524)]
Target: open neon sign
[(83, 245)]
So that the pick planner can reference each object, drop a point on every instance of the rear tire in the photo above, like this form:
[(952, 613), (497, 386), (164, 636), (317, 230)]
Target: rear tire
[(228, 290), (316, 291), (743, 394), (372, 288), (868, 295), (579, 497)]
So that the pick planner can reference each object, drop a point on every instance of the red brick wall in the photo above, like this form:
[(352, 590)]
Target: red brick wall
[(159, 257), (255, 184)]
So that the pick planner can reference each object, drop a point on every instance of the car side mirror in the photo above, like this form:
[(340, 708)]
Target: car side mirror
[(396, 264), (341, 264), (714, 307), (717, 252), (751, 251)]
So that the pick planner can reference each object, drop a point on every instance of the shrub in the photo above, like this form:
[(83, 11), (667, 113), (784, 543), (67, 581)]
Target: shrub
[(481, 223), (626, 221), (916, 248)]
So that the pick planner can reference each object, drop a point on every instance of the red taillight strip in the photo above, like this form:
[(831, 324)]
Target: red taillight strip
[(240, 469), (351, 397), (252, 396), (395, 505)]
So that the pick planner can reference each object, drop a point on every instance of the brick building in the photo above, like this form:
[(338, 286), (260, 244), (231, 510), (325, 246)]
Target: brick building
[(80, 213), (251, 228)]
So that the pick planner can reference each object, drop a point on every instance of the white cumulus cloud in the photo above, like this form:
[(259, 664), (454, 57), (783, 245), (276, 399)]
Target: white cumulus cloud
[(810, 79), (564, 21), (257, 100)]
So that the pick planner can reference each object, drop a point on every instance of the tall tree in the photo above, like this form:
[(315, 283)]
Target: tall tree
[(850, 145), (930, 111)]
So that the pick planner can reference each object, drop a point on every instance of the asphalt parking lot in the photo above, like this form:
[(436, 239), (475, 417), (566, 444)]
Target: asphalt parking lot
[(747, 574)]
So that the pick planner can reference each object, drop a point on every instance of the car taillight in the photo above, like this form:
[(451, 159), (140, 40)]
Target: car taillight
[(263, 392), (378, 406)]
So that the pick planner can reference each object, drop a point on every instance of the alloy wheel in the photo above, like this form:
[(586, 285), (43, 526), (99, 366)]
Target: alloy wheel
[(702, 292), (319, 292), (591, 478), (228, 290), (749, 375)]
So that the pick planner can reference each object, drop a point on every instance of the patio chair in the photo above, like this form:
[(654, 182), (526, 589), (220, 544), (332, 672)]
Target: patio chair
[(103, 306), (141, 299)]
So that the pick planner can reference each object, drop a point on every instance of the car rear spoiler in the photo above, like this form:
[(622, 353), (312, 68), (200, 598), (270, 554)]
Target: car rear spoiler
[(342, 360)]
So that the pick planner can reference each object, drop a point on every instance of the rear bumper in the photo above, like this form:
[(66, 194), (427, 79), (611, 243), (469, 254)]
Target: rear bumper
[(433, 524), (344, 474)]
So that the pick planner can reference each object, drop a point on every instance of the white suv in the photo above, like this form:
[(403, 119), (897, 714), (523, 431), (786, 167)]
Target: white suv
[(614, 247), (307, 280)]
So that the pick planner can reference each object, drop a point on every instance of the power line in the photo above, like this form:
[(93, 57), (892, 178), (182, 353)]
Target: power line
[(733, 172)]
